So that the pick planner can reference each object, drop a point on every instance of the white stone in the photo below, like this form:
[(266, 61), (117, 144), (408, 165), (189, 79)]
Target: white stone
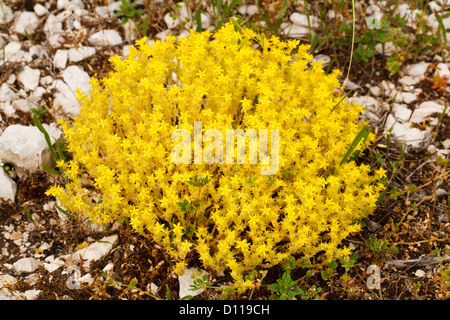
[(96, 251), (12, 51), (87, 278), (205, 21), (6, 14), (248, 9), (78, 54), (66, 99), (187, 279), (40, 10), (29, 78), (31, 294), (431, 149), (129, 30), (441, 192), (6, 294), (419, 273), (252, 9), (170, 21), (105, 38), (66, 4), (26, 265), (443, 70), (60, 58), (61, 215), (438, 6), (109, 267), (45, 81), (7, 280), (433, 22), (409, 81), (8, 187), (6, 93), (375, 90), (408, 97), (26, 148), (368, 102), (184, 33), (325, 59), (37, 94), (302, 20), (153, 288), (350, 85), (39, 51), (62, 4), (404, 11), (401, 112), (76, 78), (295, 31), (53, 265), (385, 85), (114, 6), (24, 104), (7, 108), (11, 79), (126, 50), (28, 21), (102, 11), (163, 34), (425, 109), (416, 70), (446, 144), (53, 25), (389, 48), (402, 133), (184, 13)]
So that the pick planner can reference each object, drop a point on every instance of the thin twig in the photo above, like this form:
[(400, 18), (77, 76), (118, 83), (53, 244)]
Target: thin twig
[(344, 84)]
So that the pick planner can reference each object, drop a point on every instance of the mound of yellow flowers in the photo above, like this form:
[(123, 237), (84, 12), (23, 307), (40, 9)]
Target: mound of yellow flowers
[(230, 216)]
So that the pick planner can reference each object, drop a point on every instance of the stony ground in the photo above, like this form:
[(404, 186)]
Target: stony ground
[(52, 48)]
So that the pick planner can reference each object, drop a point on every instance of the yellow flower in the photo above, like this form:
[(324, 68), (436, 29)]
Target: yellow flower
[(178, 230), (180, 267), (121, 146)]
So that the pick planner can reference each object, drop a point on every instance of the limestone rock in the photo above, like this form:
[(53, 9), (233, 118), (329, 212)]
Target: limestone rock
[(187, 279), (60, 58), (26, 148), (6, 13), (425, 109), (78, 54), (105, 38), (8, 187), (6, 93), (26, 265), (302, 20), (416, 70), (295, 31), (28, 21), (29, 78), (96, 251), (74, 78)]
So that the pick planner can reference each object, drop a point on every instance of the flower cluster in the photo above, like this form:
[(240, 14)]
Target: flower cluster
[(239, 220)]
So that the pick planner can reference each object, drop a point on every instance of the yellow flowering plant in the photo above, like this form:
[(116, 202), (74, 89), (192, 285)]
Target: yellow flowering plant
[(230, 216)]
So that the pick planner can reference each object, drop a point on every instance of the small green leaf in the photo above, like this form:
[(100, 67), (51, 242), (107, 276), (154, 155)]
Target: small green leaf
[(132, 284), (50, 170), (362, 135)]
